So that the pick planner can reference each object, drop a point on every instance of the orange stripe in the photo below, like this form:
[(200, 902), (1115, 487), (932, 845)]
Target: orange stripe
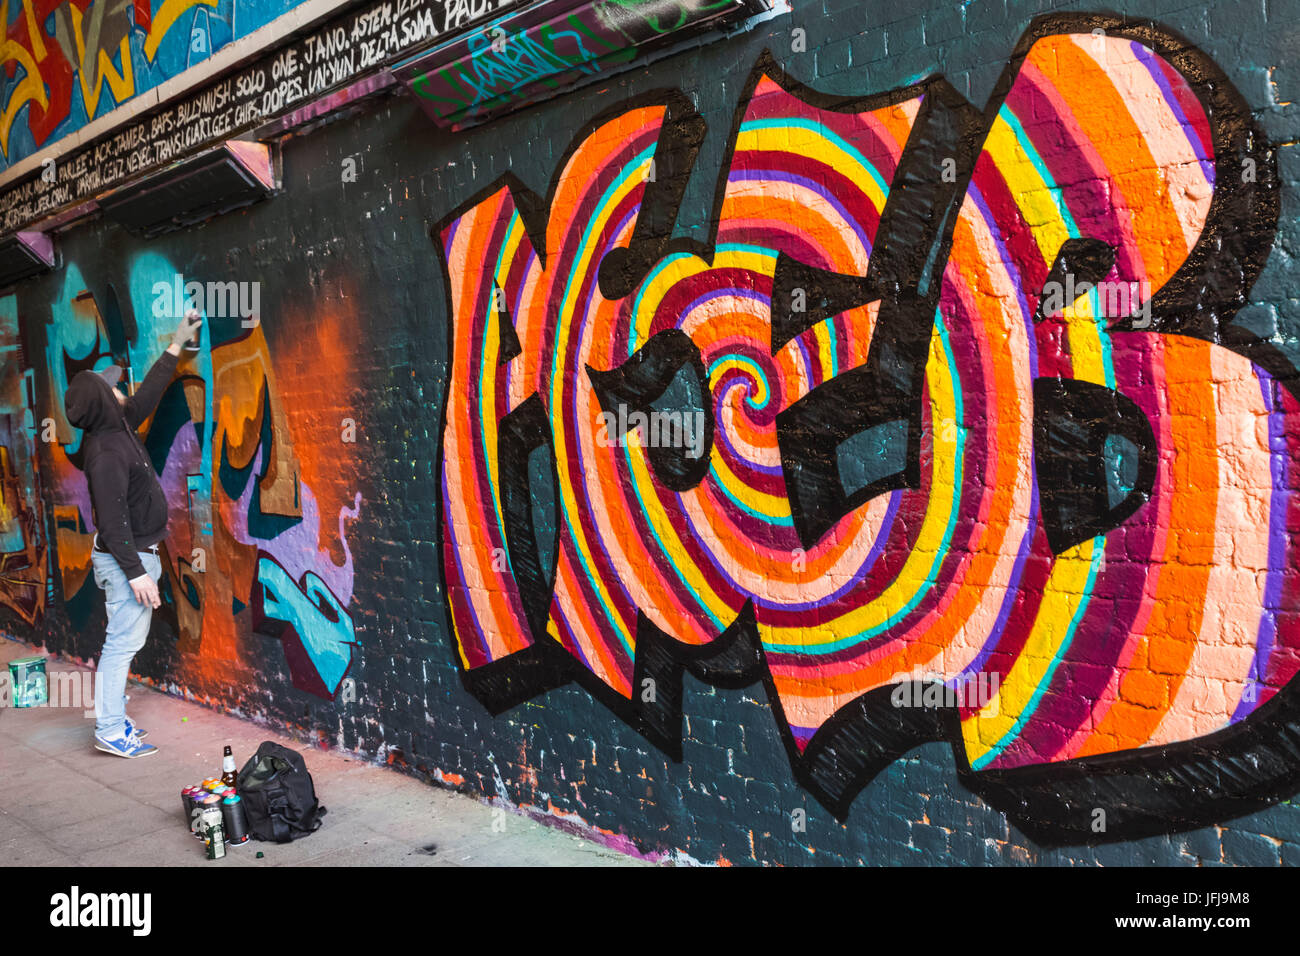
[(1160, 660), (921, 643), (778, 210), (592, 158), (898, 121), (604, 665), (1104, 120), (493, 603)]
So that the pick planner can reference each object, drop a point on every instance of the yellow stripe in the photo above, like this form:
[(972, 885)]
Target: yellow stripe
[(824, 356), (1064, 593), (1062, 597), (163, 21), (1039, 209), (804, 142), (633, 177), (1032, 194), (916, 571), (1084, 339)]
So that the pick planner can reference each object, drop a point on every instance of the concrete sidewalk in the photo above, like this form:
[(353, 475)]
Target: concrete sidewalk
[(63, 803)]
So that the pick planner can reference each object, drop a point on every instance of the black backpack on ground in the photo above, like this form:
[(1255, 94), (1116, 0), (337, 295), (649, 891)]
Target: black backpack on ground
[(278, 796)]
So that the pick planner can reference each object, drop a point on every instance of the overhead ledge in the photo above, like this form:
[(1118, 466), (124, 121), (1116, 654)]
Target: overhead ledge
[(235, 174), (528, 55), (25, 254)]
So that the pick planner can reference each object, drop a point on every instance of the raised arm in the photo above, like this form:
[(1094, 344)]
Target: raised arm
[(142, 404)]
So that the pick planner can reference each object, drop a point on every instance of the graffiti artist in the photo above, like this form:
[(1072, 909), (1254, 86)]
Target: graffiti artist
[(130, 512)]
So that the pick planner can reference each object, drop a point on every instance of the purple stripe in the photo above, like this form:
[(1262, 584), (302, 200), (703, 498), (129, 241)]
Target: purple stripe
[(450, 528), (558, 611), (808, 364), (1267, 636), (1026, 543), (764, 175), (1013, 591), (895, 497), (1148, 60), (720, 435)]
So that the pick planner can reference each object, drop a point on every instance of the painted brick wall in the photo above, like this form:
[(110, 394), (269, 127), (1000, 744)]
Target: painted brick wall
[(357, 270)]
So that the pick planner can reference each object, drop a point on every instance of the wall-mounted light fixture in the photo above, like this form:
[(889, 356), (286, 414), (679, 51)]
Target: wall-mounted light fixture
[(25, 254), (235, 174)]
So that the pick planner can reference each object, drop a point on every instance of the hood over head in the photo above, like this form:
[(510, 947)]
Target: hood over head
[(91, 404)]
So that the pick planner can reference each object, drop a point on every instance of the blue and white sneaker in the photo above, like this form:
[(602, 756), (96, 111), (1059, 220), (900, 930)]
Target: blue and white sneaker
[(128, 745), (133, 729)]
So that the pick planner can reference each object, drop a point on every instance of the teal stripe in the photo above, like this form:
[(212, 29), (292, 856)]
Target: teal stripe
[(1058, 198), (556, 380), (941, 552), (816, 127), (496, 279)]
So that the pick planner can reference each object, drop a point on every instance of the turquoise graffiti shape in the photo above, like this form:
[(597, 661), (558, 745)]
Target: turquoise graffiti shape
[(309, 610)]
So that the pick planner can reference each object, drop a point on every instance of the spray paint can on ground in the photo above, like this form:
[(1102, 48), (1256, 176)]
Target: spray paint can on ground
[(214, 840), (209, 814), (27, 678), (234, 820), (197, 796), (210, 823)]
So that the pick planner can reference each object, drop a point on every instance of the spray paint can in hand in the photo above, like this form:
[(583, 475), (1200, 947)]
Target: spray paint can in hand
[(195, 343), (236, 823)]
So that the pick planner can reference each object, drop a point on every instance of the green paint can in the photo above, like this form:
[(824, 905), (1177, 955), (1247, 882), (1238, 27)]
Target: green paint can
[(27, 682)]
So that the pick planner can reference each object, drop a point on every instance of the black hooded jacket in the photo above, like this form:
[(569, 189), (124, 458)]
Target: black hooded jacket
[(128, 501)]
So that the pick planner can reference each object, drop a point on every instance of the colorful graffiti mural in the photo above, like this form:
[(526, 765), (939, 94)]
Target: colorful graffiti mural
[(257, 538), (925, 464), (22, 526), (66, 62)]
